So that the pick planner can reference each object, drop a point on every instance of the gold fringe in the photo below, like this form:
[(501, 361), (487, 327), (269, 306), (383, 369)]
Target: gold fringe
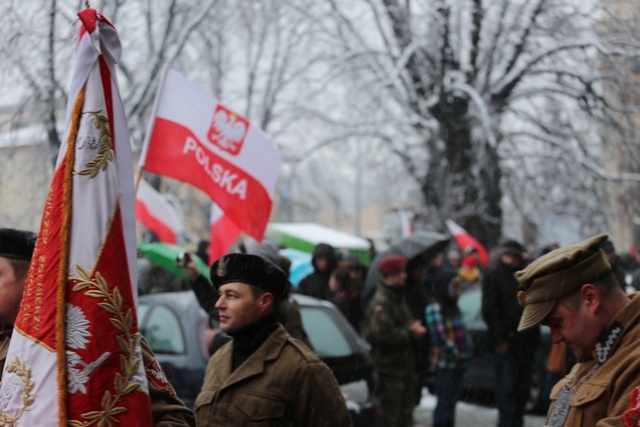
[(63, 273)]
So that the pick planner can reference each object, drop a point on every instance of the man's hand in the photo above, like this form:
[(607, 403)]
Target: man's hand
[(417, 329), (189, 266)]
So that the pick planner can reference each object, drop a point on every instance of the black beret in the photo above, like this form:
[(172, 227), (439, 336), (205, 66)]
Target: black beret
[(252, 270), (17, 244)]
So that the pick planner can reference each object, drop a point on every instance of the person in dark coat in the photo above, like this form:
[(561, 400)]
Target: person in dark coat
[(614, 260), (513, 352), (417, 298), (346, 295), (316, 284)]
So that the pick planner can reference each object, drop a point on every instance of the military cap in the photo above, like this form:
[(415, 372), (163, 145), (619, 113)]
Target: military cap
[(392, 264), (556, 274), (17, 244), (252, 270)]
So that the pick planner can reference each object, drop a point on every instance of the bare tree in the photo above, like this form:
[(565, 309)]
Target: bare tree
[(485, 99)]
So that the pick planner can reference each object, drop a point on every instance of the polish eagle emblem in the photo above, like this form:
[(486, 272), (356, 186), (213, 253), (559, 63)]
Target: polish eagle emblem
[(228, 130)]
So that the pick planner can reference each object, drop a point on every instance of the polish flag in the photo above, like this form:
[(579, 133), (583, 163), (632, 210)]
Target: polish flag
[(405, 222), (157, 214), (195, 139), (75, 354), (224, 233), (465, 240)]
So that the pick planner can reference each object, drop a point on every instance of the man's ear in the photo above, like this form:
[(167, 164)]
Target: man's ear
[(266, 302), (590, 298)]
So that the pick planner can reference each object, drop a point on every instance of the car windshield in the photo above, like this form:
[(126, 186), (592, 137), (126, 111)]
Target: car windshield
[(162, 329), (323, 331)]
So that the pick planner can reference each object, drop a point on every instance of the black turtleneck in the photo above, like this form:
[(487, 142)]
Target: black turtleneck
[(248, 339)]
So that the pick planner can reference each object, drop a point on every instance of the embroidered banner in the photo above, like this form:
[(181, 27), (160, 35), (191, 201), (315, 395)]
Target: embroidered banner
[(75, 354)]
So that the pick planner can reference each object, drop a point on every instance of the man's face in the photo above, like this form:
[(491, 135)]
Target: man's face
[(510, 259), (575, 327), (396, 280), (322, 263), (10, 293), (237, 307)]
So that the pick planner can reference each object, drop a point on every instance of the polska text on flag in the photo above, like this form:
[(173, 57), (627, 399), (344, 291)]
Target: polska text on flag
[(74, 357), (196, 139), (157, 214)]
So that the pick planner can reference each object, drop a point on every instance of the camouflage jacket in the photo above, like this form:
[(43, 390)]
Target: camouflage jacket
[(386, 327)]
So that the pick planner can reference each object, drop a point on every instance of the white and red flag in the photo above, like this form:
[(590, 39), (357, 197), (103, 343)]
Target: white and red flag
[(196, 139), (464, 240), (405, 222), (224, 233), (75, 355), (157, 214)]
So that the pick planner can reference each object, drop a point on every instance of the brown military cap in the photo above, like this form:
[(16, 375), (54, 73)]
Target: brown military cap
[(557, 274)]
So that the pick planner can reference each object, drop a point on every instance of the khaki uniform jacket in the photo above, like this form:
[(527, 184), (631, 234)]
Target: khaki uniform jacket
[(282, 383), (386, 327), (603, 398), (166, 409)]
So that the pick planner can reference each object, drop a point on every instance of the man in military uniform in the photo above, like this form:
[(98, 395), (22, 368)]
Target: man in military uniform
[(16, 249), (391, 330), (263, 375), (575, 293)]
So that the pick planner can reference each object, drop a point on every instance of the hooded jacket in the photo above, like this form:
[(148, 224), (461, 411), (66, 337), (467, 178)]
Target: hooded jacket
[(316, 284)]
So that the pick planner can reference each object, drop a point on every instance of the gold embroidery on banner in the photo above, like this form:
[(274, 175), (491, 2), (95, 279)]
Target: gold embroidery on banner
[(19, 368), (105, 146), (128, 341)]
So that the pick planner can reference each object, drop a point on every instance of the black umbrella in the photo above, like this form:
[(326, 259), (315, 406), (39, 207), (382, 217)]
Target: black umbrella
[(423, 244)]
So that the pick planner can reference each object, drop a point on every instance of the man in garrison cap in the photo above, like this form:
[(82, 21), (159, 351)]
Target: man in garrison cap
[(16, 250), (263, 375), (574, 291), (391, 330)]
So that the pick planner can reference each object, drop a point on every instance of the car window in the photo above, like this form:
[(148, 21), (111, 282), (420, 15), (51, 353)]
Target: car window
[(325, 335), (143, 309), (162, 331)]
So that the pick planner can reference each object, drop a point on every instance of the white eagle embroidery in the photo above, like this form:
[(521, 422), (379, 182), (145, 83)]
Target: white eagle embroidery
[(227, 130), (78, 336)]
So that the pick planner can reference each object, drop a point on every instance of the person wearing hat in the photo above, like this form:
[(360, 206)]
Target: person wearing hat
[(574, 291), (391, 330), (262, 375), (16, 250), (614, 261), (513, 353)]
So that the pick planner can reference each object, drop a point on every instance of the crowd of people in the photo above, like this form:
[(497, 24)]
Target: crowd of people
[(262, 360)]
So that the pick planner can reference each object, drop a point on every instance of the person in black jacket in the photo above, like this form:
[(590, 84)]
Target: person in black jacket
[(513, 351), (316, 284)]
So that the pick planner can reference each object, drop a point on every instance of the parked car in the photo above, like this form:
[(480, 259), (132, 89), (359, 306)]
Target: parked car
[(479, 379), (175, 327)]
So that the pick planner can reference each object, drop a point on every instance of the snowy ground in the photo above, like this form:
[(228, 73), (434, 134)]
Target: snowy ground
[(467, 414)]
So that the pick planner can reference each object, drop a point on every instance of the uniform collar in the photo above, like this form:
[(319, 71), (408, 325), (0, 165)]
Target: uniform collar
[(628, 317)]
